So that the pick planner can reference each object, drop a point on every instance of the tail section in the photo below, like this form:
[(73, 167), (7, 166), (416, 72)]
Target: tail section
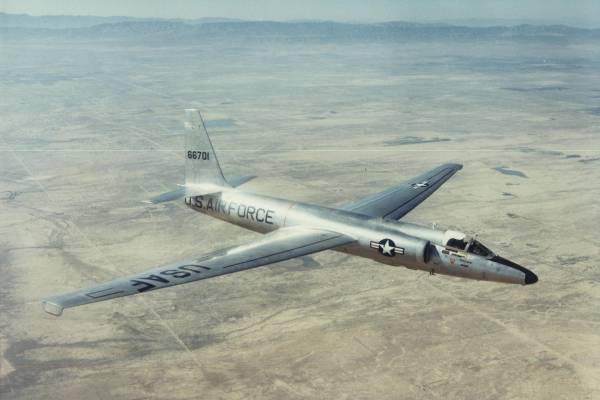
[(201, 164), (202, 171)]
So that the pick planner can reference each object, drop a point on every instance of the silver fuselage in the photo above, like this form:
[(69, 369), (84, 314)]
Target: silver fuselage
[(390, 242)]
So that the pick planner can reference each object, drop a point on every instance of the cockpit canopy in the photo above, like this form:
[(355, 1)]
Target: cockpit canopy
[(479, 249), (460, 241)]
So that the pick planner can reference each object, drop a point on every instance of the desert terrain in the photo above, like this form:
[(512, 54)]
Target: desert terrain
[(90, 128)]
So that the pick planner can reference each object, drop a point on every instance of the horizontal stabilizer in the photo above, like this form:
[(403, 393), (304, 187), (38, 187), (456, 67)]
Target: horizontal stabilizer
[(169, 196), (236, 181), (198, 190), (187, 191)]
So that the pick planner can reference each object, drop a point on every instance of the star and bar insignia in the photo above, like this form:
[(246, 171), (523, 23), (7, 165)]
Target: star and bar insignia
[(420, 185), (387, 247)]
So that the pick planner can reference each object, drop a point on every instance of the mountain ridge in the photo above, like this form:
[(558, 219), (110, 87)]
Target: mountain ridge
[(129, 28)]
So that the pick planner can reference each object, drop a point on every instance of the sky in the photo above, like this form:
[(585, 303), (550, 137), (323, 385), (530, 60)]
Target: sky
[(578, 12)]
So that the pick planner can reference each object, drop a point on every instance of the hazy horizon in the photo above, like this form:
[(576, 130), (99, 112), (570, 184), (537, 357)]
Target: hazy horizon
[(585, 14)]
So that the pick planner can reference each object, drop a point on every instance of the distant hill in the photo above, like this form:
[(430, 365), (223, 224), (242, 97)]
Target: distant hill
[(82, 21), (162, 30), (55, 21), (486, 22)]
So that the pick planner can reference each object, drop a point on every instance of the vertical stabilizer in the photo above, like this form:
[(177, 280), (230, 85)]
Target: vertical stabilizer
[(201, 164)]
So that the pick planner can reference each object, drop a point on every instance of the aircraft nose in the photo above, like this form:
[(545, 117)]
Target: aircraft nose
[(530, 277)]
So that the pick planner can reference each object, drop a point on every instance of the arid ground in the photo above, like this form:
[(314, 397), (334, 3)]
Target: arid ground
[(89, 129)]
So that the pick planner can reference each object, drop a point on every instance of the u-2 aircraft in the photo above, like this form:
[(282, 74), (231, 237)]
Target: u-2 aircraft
[(368, 228)]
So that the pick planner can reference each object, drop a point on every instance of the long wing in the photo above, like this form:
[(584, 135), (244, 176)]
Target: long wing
[(396, 202), (280, 245)]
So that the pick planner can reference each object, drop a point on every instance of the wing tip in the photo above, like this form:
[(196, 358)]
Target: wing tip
[(53, 308), (455, 166)]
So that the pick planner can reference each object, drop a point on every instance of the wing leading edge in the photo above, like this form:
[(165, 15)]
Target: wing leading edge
[(396, 202), (283, 244)]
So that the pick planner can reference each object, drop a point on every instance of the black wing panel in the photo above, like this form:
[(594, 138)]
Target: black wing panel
[(396, 202)]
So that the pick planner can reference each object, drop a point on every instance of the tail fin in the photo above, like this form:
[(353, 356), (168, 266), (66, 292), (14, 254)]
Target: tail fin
[(202, 171), (201, 164)]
